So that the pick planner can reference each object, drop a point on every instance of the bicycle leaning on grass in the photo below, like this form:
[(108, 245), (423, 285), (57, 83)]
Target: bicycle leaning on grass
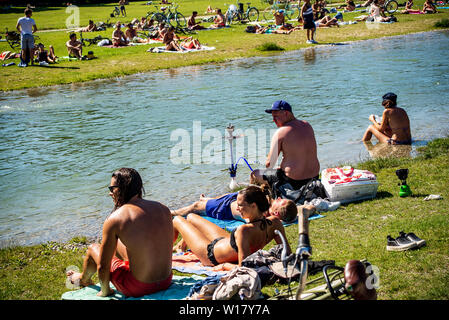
[(172, 17), (238, 14)]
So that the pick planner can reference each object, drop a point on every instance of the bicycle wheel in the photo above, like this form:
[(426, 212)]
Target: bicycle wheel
[(180, 20), (391, 6), (252, 14), (149, 14), (268, 14), (159, 17), (13, 43), (116, 12)]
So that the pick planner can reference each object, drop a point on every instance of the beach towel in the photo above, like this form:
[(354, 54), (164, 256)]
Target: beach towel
[(179, 289), (162, 50), (188, 262), (230, 225)]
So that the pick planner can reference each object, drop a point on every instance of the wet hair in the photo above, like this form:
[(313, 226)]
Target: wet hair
[(129, 184), (257, 195), (289, 212)]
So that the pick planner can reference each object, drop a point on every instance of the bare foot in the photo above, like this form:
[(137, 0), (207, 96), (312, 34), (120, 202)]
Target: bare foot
[(76, 279)]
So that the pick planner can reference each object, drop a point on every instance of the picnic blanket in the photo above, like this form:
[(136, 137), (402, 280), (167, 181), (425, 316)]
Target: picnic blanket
[(179, 289), (162, 50), (188, 262)]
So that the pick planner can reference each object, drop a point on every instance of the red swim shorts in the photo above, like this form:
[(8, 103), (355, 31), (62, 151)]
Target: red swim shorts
[(124, 281)]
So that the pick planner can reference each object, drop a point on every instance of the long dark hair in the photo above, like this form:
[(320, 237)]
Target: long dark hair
[(129, 184), (257, 195)]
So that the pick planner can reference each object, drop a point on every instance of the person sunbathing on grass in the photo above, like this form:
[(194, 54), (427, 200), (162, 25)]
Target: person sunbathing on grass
[(44, 55), (192, 24), (213, 245), (326, 22), (118, 37), (171, 40), (190, 43), (224, 207)]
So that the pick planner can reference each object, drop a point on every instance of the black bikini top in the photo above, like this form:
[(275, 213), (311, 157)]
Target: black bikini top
[(263, 226)]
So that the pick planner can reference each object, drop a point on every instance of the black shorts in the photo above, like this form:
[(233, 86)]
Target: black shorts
[(309, 24), (275, 175)]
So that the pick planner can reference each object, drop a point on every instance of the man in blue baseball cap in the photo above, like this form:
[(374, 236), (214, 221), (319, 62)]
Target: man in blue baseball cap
[(395, 125), (295, 139)]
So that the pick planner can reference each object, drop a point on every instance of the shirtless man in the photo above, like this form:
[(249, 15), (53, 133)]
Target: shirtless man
[(279, 18), (74, 47), (219, 21), (118, 37), (395, 126), (136, 250), (192, 24), (296, 140)]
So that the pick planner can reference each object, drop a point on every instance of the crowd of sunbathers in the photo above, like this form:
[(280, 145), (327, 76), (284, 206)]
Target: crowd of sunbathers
[(146, 30)]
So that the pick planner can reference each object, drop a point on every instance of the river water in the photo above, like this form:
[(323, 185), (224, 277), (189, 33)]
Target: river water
[(59, 145)]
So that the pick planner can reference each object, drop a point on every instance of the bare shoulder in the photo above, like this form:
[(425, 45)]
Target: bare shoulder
[(276, 222)]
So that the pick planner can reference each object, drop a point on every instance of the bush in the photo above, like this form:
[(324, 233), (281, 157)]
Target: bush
[(269, 46), (443, 23)]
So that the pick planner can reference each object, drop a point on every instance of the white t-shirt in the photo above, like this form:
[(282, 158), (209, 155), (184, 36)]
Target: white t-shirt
[(26, 25)]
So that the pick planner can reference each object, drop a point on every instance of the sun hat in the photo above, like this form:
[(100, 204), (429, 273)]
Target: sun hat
[(279, 105)]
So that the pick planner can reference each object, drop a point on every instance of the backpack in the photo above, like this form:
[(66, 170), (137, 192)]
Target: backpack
[(250, 29)]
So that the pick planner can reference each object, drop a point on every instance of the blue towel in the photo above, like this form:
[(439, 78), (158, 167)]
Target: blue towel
[(230, 225), (179, 289)]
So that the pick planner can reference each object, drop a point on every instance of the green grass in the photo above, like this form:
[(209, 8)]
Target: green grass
[(354, 231), (269, 46), (230, 43), (443, 23)]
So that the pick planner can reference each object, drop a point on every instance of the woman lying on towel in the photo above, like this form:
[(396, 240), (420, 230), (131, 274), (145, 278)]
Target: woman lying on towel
[(170, 40), (213, 245), (225, 207)]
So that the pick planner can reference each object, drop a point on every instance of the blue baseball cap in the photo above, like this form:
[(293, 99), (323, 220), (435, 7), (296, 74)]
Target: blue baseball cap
[(279, 105)]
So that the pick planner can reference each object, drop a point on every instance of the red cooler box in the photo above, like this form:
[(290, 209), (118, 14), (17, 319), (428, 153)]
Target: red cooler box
[(347, 184)]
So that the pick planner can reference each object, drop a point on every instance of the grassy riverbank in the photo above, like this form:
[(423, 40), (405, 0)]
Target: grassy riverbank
[(354, 231), (230, 43)]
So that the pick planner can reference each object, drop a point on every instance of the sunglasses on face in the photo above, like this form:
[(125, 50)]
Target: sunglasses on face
[(111, 188)]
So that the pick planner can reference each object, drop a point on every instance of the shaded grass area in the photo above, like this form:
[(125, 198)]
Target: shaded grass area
[(354, 231), (230, 43)]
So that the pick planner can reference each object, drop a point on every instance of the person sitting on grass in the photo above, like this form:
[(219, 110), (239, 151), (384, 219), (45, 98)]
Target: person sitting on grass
[(219, 21), (44, 55), (279, 18), (429, 7), (74, 47), (213, 245), (131, 35), (118, 37), (192, 24), (408, 7), (171, 40), (375, 12), (135, 253), (348, 6)]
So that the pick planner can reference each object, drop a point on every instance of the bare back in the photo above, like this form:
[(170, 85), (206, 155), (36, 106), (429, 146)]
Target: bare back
[(297, 143), (399, 123), (146, 229)]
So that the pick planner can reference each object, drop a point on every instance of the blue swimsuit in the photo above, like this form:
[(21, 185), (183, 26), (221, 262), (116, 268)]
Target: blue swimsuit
[(221, 208)]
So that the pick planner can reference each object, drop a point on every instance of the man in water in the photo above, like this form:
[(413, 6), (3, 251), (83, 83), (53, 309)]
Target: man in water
[(395, 125), (295, 139), (136, 250)]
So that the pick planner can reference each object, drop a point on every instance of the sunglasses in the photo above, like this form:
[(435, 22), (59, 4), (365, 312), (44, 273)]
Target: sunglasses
[(111, 188)]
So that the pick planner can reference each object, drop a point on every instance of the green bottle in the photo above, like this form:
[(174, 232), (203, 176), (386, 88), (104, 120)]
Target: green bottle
[(404, 190)]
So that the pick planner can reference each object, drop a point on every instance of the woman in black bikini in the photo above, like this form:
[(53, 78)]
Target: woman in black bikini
[(213, 245)]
